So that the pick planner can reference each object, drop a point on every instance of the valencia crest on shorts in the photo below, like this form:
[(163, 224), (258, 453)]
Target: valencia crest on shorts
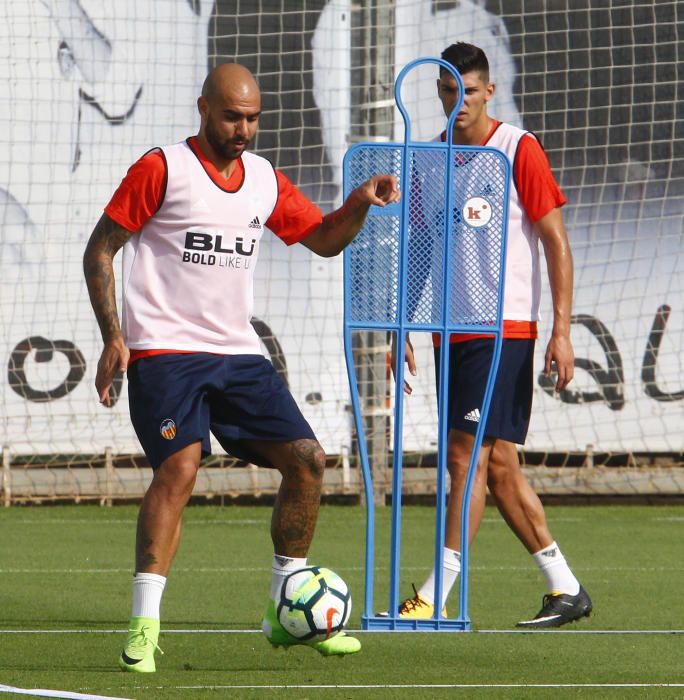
[(168, 429)]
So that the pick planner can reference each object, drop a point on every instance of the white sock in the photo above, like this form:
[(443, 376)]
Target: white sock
[(552, 564), (280, 569), (147, 595), (450, 572)]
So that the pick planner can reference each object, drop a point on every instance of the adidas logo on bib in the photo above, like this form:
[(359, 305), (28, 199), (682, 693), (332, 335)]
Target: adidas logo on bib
[(255, 223), (473, 415)]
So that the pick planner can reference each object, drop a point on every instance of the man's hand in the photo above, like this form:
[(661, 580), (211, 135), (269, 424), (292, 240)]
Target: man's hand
[(410, 361), (114, 359), (560, 270), (559, 351), (379, 190)]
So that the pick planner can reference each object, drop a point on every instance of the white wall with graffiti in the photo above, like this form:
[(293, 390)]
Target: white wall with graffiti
[(87, 87)]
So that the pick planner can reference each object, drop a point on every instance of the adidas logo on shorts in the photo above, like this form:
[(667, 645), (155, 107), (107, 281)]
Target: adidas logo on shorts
[(473, 415)]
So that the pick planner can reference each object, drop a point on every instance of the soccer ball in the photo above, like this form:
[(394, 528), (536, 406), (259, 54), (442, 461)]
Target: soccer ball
[(314, 604)]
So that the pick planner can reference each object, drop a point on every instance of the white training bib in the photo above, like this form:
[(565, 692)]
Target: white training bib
[(188, 273)]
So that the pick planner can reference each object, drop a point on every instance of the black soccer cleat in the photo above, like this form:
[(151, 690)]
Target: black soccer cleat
[(559, 609)]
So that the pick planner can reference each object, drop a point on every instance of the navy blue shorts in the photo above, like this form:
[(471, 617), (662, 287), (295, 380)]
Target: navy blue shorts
[(511, 402), (176, 399)]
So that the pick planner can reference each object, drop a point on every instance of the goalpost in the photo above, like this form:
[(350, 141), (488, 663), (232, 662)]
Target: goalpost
[(88, 87)]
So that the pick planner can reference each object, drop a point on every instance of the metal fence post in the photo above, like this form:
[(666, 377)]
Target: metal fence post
[(372, 118)]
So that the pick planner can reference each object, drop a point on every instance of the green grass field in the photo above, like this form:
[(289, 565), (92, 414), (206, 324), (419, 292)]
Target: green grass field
[(65, 599)]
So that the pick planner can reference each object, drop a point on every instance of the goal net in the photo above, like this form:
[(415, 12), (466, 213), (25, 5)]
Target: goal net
[(87, 87)]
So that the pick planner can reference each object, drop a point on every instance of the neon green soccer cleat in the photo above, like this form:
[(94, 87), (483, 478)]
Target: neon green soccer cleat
[(137, 655), (278, 636)]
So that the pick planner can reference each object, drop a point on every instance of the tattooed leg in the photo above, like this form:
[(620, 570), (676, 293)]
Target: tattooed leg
[(296, 508), (161, 512), (295, 512)]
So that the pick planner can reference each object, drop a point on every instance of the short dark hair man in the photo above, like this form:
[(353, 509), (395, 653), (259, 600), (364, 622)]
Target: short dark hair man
[(534, 215)]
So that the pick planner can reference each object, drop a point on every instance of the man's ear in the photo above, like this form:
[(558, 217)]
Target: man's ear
[(202, 105)]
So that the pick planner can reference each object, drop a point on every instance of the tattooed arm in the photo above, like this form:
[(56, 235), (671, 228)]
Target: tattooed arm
[(105, 241)]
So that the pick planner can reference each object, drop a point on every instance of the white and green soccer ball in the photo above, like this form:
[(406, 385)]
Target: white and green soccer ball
[(314, 604)]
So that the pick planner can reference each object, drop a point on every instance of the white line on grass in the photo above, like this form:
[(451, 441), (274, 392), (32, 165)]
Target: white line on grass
[(203, 570), (120, 521), (219, 521), (260, 569), (258, 631), (43, 693), (427, 686), (255, 521), (557, 631), (366, 686)]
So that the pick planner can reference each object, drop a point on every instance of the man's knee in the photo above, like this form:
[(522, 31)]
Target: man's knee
[(498, 474), (459, 453), (306, 462), (504, 467), (176, 476), (457, 466)]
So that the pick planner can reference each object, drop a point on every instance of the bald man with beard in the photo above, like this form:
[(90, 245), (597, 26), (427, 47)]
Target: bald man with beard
[(190, 218)]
